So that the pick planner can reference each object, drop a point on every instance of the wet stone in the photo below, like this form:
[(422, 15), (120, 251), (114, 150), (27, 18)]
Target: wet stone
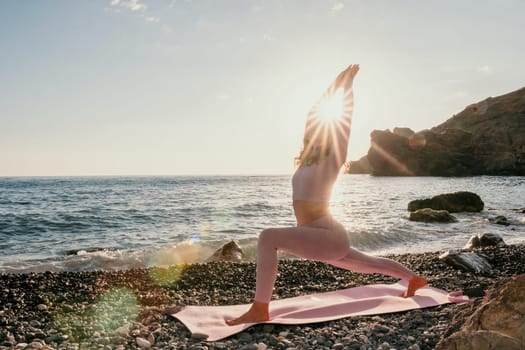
[(199, 336), (244, 337)]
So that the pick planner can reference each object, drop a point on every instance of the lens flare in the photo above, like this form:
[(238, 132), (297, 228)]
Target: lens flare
[(112, 315), (333, 107), (115, 310), (183, 253), (166, 276), (167, 264)]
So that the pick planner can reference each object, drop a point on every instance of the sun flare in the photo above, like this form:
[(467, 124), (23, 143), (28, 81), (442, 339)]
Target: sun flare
[(333, 107)]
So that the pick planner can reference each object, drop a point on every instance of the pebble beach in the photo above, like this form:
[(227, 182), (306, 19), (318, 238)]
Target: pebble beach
[(126, 309)]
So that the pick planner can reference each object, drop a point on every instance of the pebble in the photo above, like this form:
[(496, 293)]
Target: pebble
[(244, 337), (268, 328), (62, 311), (384, 346), (36, 345), (198, 347), (262, 346), (199, 336), (363, 338), (220, 346), (143, 343)]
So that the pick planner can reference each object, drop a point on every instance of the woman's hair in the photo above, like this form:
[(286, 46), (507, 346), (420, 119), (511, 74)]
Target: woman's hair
[(316, 147)]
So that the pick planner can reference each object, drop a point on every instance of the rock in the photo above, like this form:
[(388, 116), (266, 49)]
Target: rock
[(431, 215), (500, 220), (498, 323), (481, 240), (268, 328), (487, 138), (338, 346), (143, 343), (470, 262), (251, 346), (363, 338), (405, 132), (231, 251), (41, 307), (361, 166), (151, 339), (244, 337), (479, 340), (199, 336), (451, 202), (35, 345)]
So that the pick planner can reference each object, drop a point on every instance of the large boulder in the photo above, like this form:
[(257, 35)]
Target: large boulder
[(431, 215), (487, 138), (500, 220), (469, 262), (482, 240), (499, 322), (451, 202), (479, 340), (230, 251)]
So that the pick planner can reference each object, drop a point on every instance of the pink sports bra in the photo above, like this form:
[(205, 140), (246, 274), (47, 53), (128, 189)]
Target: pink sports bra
[(315, 182)]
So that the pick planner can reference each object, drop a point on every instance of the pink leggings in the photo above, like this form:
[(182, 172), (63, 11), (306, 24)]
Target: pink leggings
[(322, 240)]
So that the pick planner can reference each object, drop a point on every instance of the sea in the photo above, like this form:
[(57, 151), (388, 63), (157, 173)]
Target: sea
[(89, 223)]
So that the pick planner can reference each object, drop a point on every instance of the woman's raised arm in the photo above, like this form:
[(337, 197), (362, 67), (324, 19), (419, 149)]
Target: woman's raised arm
[(341, 123)]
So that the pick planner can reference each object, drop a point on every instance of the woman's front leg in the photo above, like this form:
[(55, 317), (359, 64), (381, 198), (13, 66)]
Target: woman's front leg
[(306, 242)]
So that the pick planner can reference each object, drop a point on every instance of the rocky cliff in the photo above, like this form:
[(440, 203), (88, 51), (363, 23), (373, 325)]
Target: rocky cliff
[(487, 138)]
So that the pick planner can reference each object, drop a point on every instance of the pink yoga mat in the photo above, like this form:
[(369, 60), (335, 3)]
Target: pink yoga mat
[(365, 300)]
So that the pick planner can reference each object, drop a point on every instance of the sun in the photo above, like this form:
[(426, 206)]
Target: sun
[(332, 108)]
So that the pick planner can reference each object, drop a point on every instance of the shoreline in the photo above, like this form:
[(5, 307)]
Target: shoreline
[(112, 309)]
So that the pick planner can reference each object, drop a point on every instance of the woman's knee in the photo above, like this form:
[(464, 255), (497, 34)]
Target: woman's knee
[(266, 237)]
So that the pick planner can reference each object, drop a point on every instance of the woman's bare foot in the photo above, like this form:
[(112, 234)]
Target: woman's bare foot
[(258, 312), (414, 284)]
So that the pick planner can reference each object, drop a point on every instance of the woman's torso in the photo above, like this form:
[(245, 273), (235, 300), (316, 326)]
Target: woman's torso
[(309, 211), (312, 188)]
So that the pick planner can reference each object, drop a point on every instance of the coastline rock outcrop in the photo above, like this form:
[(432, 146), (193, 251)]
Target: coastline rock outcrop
[(361, 166), (499, 323), (486, 138), (452, 202)]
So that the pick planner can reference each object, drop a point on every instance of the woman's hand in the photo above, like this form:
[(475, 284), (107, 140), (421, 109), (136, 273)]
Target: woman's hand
[(344, 79)]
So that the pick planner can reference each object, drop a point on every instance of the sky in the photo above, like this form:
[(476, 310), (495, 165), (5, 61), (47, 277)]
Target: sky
[(215, 87)]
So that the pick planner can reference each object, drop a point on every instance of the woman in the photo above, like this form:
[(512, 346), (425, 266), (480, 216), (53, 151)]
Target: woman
[(318, 236)]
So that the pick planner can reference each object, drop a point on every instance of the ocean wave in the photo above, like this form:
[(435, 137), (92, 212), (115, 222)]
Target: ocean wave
[(110, 258), (141, 216)]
